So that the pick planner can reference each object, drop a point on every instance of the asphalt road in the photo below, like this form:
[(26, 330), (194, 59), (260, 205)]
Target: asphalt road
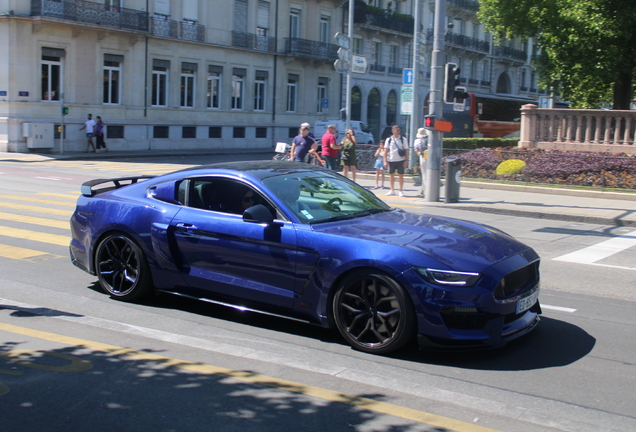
[(74, 359)]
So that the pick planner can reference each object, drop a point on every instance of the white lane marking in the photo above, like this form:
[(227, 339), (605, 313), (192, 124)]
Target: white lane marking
[(54, 178), (557, 308), (597, 252)]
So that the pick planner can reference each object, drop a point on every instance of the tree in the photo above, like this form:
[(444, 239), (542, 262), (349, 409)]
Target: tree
[(588, 47)]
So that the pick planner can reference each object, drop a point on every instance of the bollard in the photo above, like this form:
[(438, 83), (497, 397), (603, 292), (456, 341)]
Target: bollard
[(453, 178)]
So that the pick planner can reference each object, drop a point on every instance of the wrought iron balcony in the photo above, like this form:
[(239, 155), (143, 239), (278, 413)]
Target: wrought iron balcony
[(92, 13), (384, 20), (377, 68), (468, 5), (191, 31), (176, 29), (311, 49), (395, 70), (254, 42), (511, 53), (461, 41)]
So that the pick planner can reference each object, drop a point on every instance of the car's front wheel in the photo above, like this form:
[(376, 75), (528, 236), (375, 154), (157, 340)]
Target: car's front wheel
[(373, 313), (122, 268)]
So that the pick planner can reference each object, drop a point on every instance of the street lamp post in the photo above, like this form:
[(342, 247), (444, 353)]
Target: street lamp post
[(436, 104)]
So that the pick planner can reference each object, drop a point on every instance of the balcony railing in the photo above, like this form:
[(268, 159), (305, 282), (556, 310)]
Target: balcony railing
[(311, 49), (92, 13), (254, 42), (377, 68), (461, 41), (384, 20), (176, 29), (468, 5), (512, 53), (191, 31), (395, 70)]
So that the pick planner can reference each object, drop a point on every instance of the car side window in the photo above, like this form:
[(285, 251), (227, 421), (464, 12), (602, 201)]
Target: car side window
[(223, 195)]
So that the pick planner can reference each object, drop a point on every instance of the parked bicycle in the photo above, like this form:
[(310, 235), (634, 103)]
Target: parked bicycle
[(314, 157)]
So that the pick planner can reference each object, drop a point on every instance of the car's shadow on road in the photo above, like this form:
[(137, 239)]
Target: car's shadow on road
[(553, 343)]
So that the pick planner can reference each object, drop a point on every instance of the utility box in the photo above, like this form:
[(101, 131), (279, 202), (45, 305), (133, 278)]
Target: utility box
[(38, 135), (453, 179)]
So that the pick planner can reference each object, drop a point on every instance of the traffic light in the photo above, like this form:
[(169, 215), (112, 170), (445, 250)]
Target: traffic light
[(64, 110), (451, 81), (460, 94), (429, 122)]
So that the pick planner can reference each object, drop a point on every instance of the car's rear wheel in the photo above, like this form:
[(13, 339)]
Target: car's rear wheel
[(373, 313), (122, 268)]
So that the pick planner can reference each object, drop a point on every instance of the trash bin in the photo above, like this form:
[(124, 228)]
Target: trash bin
[(453, 178)]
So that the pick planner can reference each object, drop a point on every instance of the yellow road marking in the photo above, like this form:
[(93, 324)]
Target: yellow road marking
[(37, 200), (23, 234), (250, 377), (36, 209), (35, 220), (14, 252), (73, 197)]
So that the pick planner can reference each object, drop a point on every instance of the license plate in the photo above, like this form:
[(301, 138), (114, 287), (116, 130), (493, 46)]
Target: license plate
[(527, 302)]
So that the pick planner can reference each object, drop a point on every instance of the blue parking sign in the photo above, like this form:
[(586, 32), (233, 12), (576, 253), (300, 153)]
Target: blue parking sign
[(325, 103)]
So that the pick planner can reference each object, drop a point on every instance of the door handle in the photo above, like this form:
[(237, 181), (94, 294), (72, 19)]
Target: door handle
[(186, 226)]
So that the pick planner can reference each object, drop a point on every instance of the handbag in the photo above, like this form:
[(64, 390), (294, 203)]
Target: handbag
[(401, 151), (344, 156)]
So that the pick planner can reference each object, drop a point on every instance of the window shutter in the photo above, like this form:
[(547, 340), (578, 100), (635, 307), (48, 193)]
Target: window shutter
[(162, 7), (262, 19), (191, 10), (240, 16)]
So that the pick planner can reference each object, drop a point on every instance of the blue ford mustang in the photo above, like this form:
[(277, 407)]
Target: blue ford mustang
[(301, 242)]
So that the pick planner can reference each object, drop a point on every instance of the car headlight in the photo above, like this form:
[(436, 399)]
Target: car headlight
[(448, 277)]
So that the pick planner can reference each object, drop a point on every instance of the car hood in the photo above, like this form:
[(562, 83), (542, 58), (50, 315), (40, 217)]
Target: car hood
[(458, 244)]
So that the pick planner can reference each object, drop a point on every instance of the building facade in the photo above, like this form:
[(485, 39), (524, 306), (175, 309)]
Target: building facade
[(167, 73)]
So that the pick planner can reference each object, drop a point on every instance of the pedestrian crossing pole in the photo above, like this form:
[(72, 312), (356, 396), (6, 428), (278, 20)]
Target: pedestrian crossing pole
[(436, 104)]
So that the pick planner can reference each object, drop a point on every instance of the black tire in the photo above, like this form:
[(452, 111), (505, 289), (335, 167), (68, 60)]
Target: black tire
[(373, 313), (122, 268)]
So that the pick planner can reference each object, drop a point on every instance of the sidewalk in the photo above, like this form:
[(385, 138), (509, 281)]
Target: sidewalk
[(595, 207)]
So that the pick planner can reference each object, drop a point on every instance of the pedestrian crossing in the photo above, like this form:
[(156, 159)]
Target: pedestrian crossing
[(115, 167), (34, 227)]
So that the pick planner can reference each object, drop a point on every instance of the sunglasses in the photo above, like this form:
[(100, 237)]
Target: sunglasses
[(247, 199)]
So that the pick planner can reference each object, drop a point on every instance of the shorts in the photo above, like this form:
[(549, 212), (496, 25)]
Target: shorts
[(396, 166), (379, 164), (89, 136)]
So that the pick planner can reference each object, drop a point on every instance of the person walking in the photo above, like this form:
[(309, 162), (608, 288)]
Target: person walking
[(89, 125), (420, 145), (330, 148), (397, 157), (380, 162), (348, 156), (99, 134), (301, 145)]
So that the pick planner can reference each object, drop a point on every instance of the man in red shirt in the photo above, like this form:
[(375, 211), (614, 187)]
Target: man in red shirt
[(330, 148)]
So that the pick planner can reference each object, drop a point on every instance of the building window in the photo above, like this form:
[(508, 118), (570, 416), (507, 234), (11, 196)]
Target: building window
[(294, 23), (238, 88), (51, 73), (114, 132), (161, 132), (189, 132), (214, 87), (292, 132), (292, 93), (262, 18), (240, 16), (160, 83), (112, 79), (376, 57), (357, 46), (322, 94), (395, 56), (324, 29), (239, 132), (215, 132), (261, 132), (260, 86), (188, 72)]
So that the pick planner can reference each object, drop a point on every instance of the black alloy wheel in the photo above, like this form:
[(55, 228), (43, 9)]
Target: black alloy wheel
[(373, 313), (122, 268)]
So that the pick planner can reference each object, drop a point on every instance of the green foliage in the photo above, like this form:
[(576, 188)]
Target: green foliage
[(510, 167), (475, 143), (588, 46)]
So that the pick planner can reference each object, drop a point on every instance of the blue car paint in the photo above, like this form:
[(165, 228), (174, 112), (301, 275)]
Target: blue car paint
[(393, 243)]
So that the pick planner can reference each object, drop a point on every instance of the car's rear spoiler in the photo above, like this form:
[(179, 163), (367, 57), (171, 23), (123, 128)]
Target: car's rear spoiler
[(88, 188)]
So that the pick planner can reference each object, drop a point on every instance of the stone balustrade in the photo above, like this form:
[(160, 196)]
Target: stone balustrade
[(610, 131)]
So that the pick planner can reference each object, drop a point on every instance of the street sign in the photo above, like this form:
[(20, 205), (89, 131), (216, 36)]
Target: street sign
[(544, 102), (406, 100), (342, 40), (325, 103), (358, 64), (407, 76), (443, 126), (341, 66)]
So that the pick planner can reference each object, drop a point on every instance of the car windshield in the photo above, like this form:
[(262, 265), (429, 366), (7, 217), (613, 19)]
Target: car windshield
[(323, 196)]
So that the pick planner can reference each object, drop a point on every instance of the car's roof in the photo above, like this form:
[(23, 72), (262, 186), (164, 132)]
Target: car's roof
[(259, 169)]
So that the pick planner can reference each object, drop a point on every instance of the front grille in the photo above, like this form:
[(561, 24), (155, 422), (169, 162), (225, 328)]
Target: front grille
[(465, 321), (523, 277)]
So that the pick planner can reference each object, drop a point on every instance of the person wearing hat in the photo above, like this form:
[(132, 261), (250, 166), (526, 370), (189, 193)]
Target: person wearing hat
[(421, 149)]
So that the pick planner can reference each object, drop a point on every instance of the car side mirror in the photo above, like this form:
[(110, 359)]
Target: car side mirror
[(258, 214)]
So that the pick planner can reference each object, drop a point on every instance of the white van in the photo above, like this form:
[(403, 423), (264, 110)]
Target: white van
[(362, 131)]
